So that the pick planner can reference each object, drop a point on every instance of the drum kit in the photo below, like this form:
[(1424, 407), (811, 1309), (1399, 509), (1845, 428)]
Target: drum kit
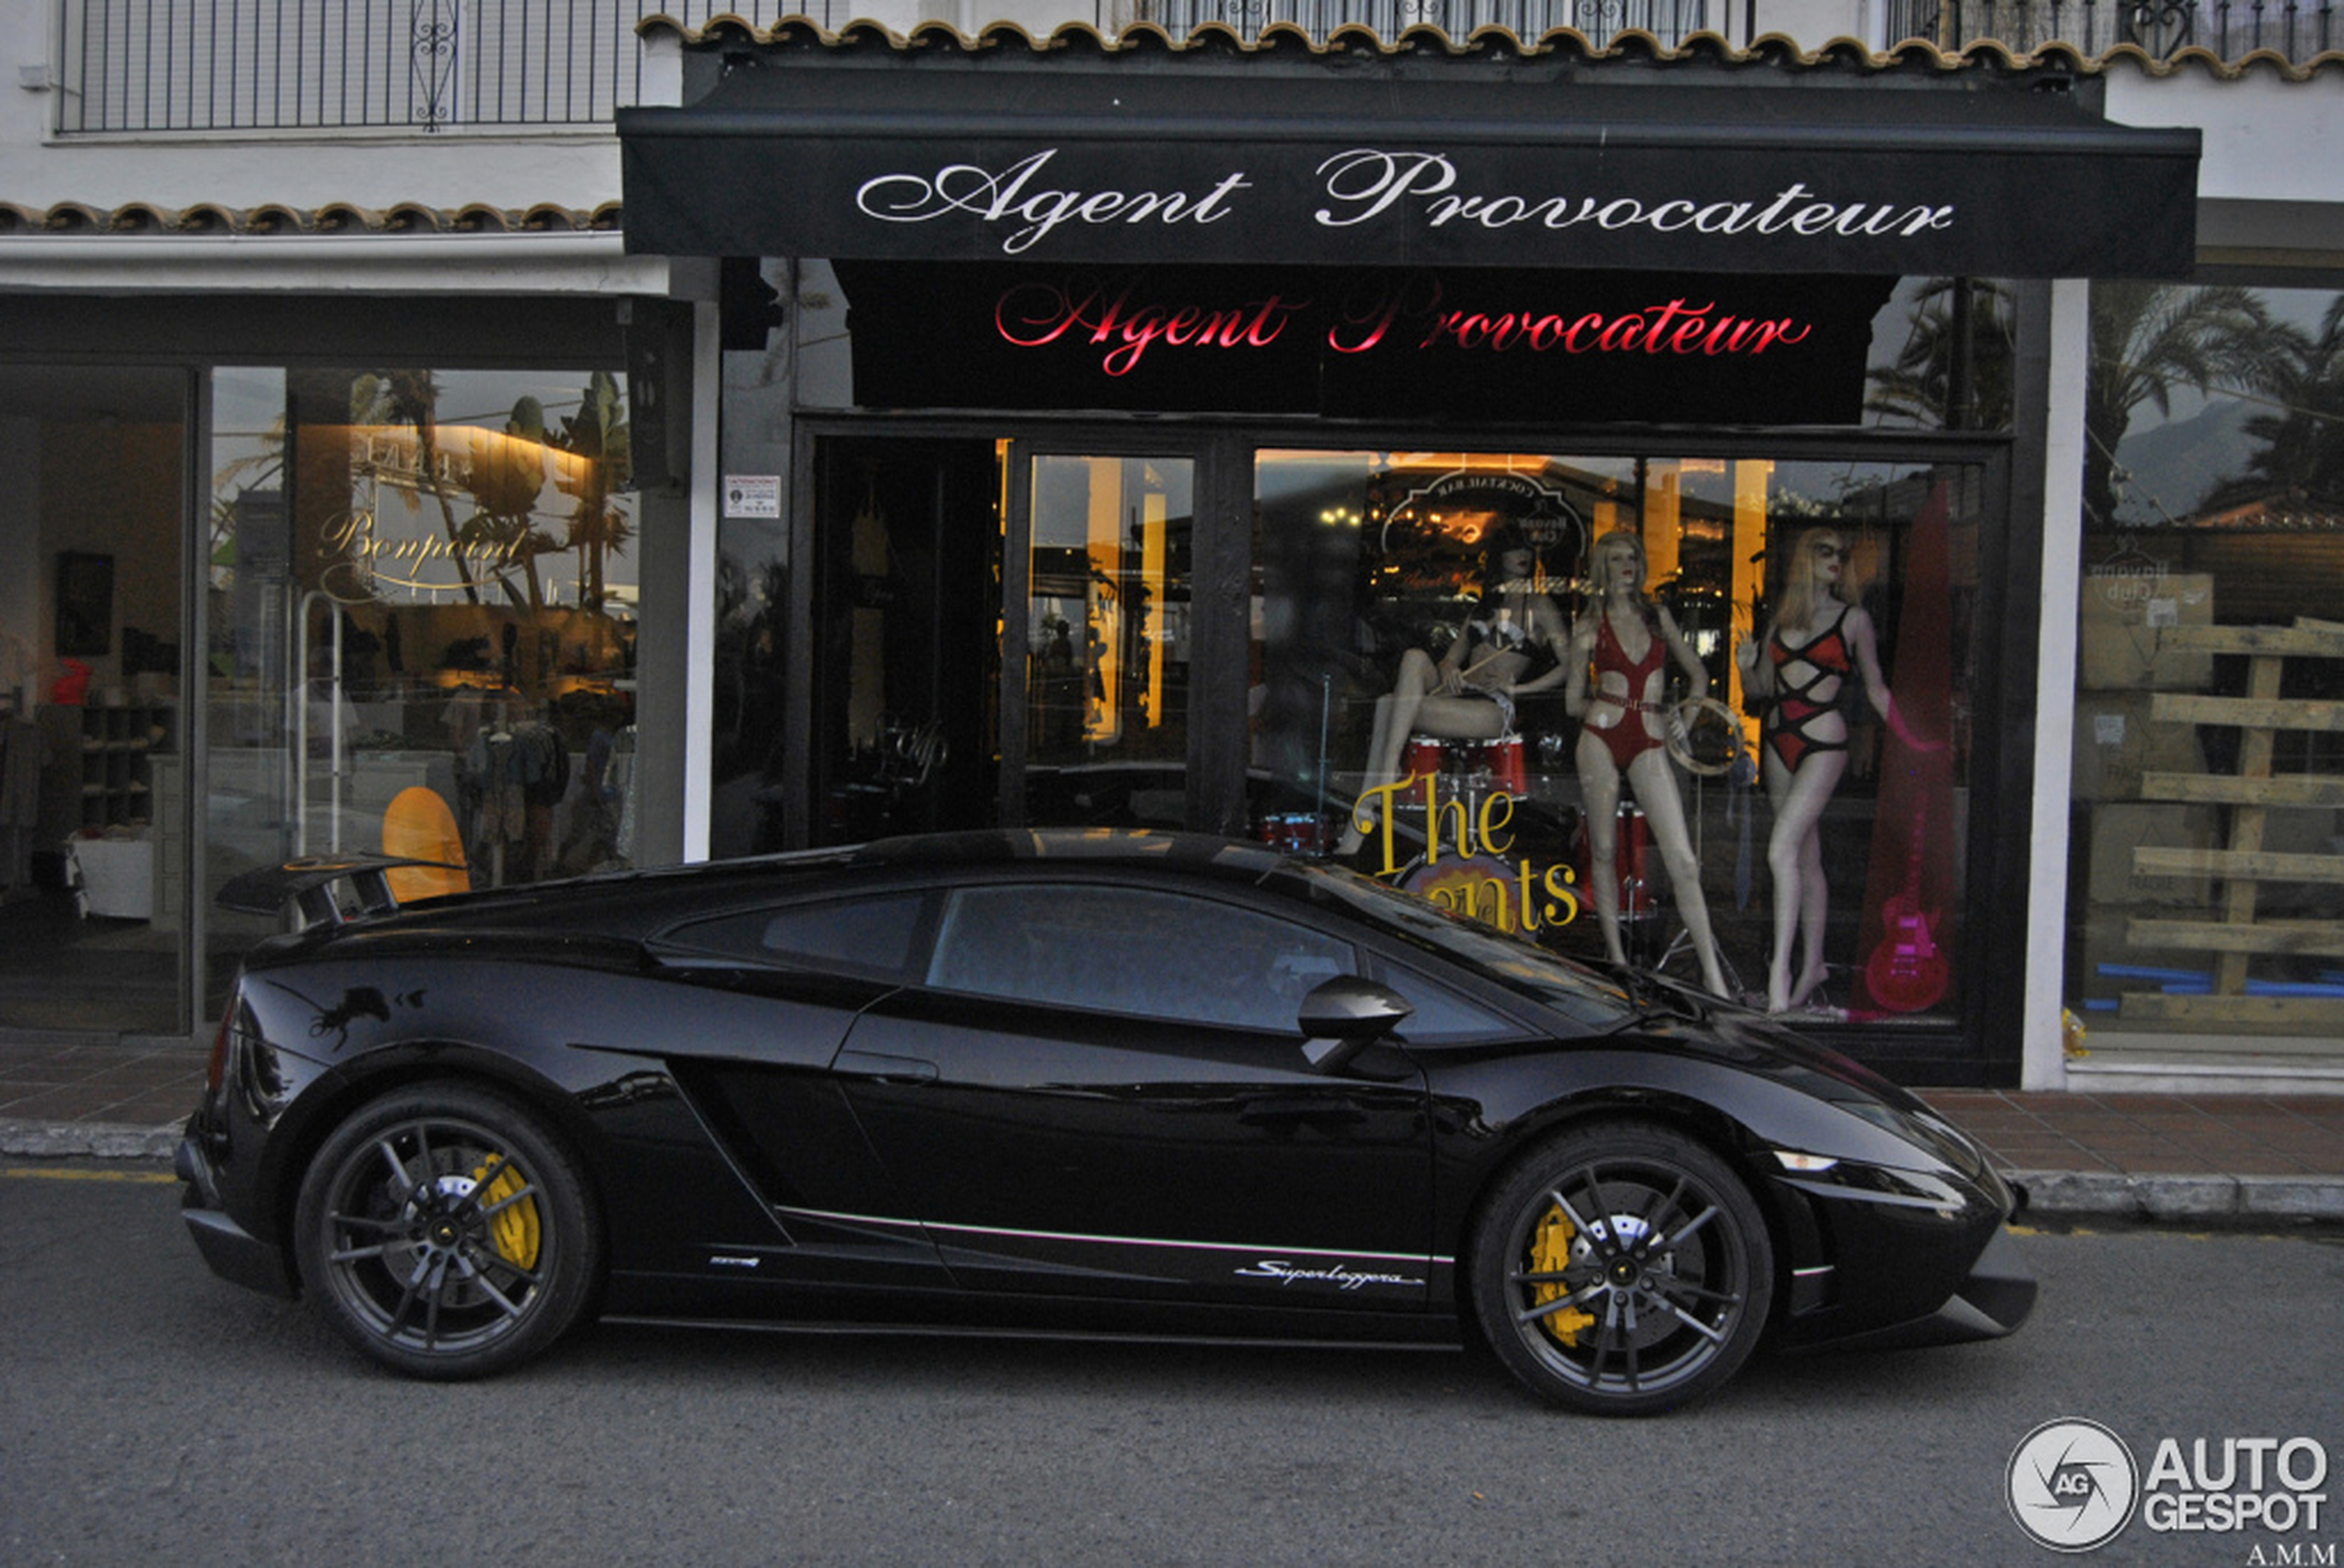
[(1304, 833), (1473, 769), (1469, 771)]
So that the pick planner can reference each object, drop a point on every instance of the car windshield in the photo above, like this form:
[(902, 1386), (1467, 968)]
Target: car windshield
[(1518, 965)]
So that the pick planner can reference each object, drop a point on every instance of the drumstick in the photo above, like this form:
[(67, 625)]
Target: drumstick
[(1492, 659)]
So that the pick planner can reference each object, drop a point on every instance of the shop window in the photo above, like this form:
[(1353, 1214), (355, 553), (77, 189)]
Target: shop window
[(1108, 629), (2204, 895), (1942, 354), (1694, 770), (423, 622)]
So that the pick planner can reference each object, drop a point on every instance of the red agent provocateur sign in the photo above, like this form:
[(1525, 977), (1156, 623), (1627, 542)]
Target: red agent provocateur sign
[(1125, 327), (1461, 343)]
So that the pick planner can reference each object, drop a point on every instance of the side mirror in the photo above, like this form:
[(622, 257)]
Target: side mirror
[(1345, 1015)]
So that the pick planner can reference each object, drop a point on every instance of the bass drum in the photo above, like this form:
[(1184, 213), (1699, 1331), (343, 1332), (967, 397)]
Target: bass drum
[(1480, 886)]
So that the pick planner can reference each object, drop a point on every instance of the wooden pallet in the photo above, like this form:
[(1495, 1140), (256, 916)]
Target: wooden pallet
[(2233, 936)]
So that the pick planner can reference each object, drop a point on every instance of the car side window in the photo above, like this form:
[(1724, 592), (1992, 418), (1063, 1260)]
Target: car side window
[(1133, 950), (1442, 1016), (859, 936)]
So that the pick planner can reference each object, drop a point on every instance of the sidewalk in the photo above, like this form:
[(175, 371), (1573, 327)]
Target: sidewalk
[(2172, 1157)]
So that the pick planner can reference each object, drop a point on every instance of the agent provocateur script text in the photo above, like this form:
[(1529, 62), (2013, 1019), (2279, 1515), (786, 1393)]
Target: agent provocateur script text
[(1411, 312), (1359, 185)]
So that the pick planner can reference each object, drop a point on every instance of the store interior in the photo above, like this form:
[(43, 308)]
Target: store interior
[(90, 732)]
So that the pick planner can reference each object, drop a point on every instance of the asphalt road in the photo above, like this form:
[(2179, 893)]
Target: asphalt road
[(149, 1412)]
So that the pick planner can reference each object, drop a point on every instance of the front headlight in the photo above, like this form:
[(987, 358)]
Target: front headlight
[(1927, 1133), (1828, 1178)]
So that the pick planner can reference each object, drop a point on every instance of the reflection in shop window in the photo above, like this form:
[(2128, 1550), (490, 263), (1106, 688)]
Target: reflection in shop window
[(1448, 687), (2205, 901), (423, 621)]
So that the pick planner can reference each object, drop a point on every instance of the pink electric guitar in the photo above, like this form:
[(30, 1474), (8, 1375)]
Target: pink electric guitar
[(1906, 972)]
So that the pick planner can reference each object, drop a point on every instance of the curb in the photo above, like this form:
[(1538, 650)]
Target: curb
[(97, 1140), (2181, 1199)]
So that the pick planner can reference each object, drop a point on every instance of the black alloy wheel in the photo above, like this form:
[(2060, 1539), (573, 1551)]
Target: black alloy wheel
[(1621, 1270), (445, 1232)]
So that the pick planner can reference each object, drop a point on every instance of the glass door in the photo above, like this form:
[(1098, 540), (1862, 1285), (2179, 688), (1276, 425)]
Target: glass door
[(904, 676), (92, 784), (422, 616), (1099, 638)]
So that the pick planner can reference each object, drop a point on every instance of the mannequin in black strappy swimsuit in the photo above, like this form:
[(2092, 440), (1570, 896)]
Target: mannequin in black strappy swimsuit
[(1506, 649), (1622, 740), (1816, 641)]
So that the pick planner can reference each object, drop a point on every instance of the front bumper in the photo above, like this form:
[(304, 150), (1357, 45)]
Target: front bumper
[(230, 1251), (1992, 1300)]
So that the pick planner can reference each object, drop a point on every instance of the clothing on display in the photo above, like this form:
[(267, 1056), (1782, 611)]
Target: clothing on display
[(1788, 728), (1631, 737)]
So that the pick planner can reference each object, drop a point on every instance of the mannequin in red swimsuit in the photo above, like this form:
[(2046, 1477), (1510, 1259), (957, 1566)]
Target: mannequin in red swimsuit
[(1816, 642), (1627, 643)]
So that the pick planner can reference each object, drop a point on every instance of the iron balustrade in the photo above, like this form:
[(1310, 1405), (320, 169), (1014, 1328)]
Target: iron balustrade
[(1671, 22), (2298, 29), (171, 65), (184, 66)]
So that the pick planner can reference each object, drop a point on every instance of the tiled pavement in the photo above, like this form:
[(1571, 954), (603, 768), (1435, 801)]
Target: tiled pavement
[(2177, 1158), (96, 1099), (2163, 1156)]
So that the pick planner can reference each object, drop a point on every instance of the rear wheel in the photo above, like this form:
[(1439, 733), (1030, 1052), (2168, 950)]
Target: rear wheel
[(1622, 1269), (444, 1231)]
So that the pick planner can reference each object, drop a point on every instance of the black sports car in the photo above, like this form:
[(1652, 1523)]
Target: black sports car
[(1065, 1081)]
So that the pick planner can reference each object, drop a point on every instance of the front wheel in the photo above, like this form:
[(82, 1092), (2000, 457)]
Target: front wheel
[(446, 1233), (1621, 1270)]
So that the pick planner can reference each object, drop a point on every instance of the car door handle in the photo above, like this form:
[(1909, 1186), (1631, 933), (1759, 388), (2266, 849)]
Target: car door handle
[(884, 1069)]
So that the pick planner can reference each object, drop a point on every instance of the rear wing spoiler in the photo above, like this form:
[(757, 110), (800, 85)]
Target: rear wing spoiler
[(311, 887)]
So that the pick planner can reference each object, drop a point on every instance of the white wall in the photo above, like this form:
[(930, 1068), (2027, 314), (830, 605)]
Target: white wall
[(1812, 23), (2267, 138)]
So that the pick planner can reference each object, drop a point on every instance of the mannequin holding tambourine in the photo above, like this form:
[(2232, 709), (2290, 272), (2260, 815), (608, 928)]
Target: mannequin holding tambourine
[(1621, 649)]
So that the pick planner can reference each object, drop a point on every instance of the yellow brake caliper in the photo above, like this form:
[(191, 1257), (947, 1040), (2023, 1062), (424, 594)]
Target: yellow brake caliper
[(1551, 1253), (513, 1229)]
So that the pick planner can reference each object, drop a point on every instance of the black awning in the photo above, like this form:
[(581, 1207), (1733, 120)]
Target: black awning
[(1461, 160)]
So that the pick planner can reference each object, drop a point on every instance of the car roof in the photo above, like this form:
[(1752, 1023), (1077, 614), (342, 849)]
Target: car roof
[(1094, 847), (636, 903)]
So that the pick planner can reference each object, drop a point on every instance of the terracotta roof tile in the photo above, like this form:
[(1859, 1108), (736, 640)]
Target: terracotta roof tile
[(1633, 44), (210, 219)]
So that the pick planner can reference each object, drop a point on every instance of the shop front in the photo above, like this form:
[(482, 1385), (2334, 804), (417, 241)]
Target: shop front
[(289, 577), (1583, 490)]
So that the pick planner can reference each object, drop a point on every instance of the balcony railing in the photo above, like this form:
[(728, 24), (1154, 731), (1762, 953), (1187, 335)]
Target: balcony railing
[(148, 67), (2295, 29), (1669, 21), (169, 65)]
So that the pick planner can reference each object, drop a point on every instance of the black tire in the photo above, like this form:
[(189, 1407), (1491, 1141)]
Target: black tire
[(1666, 1276), (446, 1232)]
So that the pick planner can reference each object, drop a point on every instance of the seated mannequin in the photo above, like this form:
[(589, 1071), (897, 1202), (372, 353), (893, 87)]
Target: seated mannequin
[(1508, 648)]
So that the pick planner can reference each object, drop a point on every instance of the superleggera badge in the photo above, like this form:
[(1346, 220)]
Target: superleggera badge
[(1334, 1274)]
